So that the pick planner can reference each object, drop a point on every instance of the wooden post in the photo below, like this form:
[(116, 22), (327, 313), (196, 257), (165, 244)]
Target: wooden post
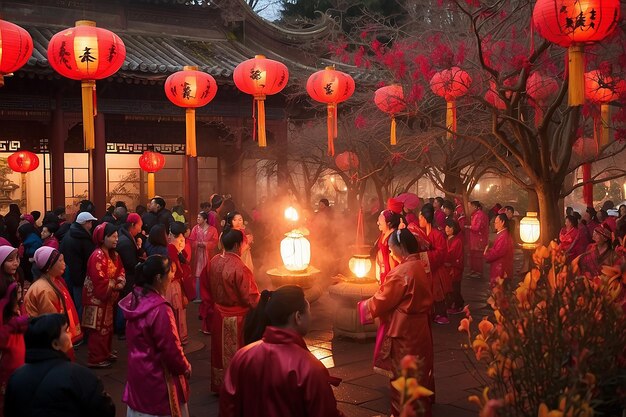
[(191, 195), (57, 156), (97, 168)]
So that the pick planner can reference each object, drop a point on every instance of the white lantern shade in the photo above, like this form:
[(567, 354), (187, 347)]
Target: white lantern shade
[(295, 250), (360, 265), (530, 228), (291, 214)]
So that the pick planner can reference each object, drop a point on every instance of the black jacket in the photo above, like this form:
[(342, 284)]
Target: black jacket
[(76, 248), (127, 249), (49, 385)]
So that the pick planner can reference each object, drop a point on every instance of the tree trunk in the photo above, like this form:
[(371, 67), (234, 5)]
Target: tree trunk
[(549, 214)]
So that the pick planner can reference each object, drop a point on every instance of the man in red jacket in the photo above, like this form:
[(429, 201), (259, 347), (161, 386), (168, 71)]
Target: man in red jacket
[(278, 376)]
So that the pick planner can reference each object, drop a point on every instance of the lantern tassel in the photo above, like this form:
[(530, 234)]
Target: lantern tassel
[(261, 121), (393, 130), (190, 144), (335, 106), (331, 112), (254, 121), (151, 185), (450, 119), (587, 185), (88, 87), (605, 128), (576, 71)]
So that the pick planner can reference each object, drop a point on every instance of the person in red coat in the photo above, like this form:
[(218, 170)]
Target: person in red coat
[(500, 255), (405, 301), (453, 264), (388, 221), (277, 375), (105, 279), (440, 216), (182, 286), (478, 237), (47, 235), (234, 292)]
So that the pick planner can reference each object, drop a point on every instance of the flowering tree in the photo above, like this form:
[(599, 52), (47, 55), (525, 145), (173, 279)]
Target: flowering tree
[(529, 135)]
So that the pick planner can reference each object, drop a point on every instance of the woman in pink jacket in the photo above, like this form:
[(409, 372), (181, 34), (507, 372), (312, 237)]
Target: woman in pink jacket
[(500, 255), (158, 370), (478, 237)]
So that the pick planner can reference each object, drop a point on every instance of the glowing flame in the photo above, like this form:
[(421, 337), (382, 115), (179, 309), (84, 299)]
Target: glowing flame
[(291, 214)]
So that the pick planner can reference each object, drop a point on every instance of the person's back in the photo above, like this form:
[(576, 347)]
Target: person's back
[(49, 385), (295, 383)]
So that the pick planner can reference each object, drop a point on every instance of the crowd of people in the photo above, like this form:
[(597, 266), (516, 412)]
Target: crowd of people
[(133, 274)]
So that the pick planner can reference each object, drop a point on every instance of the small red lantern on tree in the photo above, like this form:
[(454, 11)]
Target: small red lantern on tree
[(451, 84), (331, 87), (190, 89), (86, 53), (151, 162), (601, 88), (540, 88), (572, 24), (16, 47), (390, 99), (260, 77), (347, 161)]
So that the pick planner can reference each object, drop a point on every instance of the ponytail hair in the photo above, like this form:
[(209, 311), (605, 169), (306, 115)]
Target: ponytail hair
[(274, 309), (147, 271)]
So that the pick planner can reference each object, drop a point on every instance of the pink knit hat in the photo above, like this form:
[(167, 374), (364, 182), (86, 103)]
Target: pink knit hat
[(46, 257), (5, 251)]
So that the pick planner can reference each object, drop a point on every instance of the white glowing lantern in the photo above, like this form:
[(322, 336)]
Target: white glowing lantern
[(530, 228), (360, 265), (291, 214), (295, 250)]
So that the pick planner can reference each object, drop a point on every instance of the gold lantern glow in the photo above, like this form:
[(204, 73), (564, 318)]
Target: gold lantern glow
[(291, 214), (530, 229), (295, 250), (360, 265)]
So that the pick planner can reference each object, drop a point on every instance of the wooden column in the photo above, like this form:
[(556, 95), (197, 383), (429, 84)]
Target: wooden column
[(97, 168), (191, 188), (282, 139), (57, 156)]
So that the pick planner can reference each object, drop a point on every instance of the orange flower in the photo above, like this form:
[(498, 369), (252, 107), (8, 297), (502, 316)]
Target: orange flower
[(464, 326), (485, 327), (408, 362)]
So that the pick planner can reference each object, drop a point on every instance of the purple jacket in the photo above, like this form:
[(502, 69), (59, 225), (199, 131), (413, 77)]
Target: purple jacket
[(153, 345)]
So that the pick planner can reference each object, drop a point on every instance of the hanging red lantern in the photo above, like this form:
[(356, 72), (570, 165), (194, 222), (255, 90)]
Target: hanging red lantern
[(151, 162), (86, 53), (540, 88), (347, 161), (16, 47), (601, 88), (190, 89), (572, 24), (23, 161), (390, 99), (451, 84), (260, 77), (331, 87)]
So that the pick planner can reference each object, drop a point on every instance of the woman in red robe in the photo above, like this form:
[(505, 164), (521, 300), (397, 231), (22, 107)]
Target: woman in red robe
[(478, 237), (295, 383), (182, 285), (203, 240), (598, 254), (105, 279), (388, 221), (234, 292), (572, 241), (405, 302), (500, 255), (453, 265)]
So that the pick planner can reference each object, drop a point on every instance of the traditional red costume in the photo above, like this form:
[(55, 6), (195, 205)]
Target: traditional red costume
[(203, 246), (453, 267), (500, 256), (405, 303), (478, 239), (175, 293), (294, 382), (105, 278), (234, 292)]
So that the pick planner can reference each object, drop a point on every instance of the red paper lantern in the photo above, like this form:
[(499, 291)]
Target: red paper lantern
[(86, 53), (151, 161), (260, 77), (190, 88), (331, 87), (16, 47), (347, 161), (23, 161), (602, 88), (390, 99), (571, 24), (451, 84), (540, 88)]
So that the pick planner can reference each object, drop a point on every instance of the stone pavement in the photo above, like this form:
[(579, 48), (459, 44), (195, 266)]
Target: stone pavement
[(362, 393)]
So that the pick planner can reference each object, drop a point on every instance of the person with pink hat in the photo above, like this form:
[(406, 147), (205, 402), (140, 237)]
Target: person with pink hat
[(12, 323), (49, 294), (105, 279)]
